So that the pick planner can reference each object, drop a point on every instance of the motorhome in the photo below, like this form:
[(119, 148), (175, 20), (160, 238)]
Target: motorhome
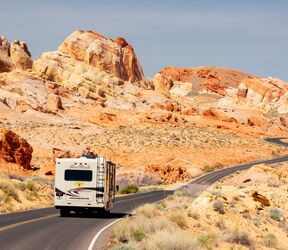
[(84, 184)]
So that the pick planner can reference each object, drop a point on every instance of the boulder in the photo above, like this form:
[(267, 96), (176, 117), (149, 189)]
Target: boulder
[(20, 55), (260, 198), (15, 149), (162, 83), (6, 63), (14, 55), (54, 103)]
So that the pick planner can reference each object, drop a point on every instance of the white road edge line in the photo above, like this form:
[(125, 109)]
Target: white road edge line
[(92, 243)]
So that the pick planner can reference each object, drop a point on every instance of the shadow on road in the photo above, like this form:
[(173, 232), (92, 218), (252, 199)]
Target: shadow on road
[(95, 215)]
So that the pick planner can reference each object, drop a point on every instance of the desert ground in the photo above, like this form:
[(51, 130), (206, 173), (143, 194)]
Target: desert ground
[(91, 93), (247, 210)]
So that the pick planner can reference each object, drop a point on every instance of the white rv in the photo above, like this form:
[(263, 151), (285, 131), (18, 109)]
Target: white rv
[(84, 184)]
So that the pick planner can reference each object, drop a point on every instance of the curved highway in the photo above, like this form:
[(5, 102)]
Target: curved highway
[(44, 229)]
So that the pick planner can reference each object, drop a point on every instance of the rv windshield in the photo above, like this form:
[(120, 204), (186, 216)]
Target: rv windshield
[(78, 175)]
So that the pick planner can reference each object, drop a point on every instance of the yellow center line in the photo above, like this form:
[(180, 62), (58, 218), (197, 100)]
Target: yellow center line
[(26, 222)]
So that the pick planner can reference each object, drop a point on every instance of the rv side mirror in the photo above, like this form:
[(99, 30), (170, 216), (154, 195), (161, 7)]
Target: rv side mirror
[(117, 188)]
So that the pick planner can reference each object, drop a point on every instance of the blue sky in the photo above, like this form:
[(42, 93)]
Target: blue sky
[(249, 35)]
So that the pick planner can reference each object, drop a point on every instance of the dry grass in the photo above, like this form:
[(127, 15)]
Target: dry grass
[(193, 214), (270, 240), (147, 210), (237, 237), (171, 240), (218, 206), (23, 193), (179, 219)]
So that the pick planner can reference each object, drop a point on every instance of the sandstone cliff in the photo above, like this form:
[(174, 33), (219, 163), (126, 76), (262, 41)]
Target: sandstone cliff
[(267, 94), (90, 63)]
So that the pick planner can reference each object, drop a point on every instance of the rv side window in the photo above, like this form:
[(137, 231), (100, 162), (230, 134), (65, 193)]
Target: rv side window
[(78, 175)]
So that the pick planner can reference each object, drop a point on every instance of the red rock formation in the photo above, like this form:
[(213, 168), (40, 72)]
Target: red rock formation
[(169, 173), (15, 149), (162, 83), (260, 198), (6, 64), (59, 153), (116, 57), (20, 55), (257, 90), (54, 102), (214, 79), (210, 112), (165, 117), (121, 41), (13, 56)]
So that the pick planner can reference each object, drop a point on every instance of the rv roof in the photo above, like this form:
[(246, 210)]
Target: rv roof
[(82, 159)]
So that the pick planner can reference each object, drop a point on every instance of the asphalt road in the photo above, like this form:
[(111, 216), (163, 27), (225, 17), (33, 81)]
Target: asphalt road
[(44, 229)]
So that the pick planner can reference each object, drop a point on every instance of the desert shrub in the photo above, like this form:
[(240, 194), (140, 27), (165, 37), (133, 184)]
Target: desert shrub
[(220, 224), (238, 237), (129, 189), (210, 168), (22, 186), (155, 225), (283, 225), (257, 221), (217, 193), (150, 189), (42, 180), (206, 240), (121, 231), (147, 210), (236, 198), (247, 216), (161, 206), (150, 225), (31, 195), (9, 191), (172, 240), (4, 198), (31, 186), (218, 206), (123, 248), (178, 193), (273, 184), (270, 240), (15, 177), (193, 214), (146, 179), (207, 168), (276, 214), (138, 234), (179, 219), (170, 197)]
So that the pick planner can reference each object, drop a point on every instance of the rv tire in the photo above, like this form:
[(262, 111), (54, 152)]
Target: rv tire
[(64, 212)]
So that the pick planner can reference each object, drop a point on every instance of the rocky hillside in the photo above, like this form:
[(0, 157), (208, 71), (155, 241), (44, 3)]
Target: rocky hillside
[(237, 96), (219, 218), (91, 92)]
